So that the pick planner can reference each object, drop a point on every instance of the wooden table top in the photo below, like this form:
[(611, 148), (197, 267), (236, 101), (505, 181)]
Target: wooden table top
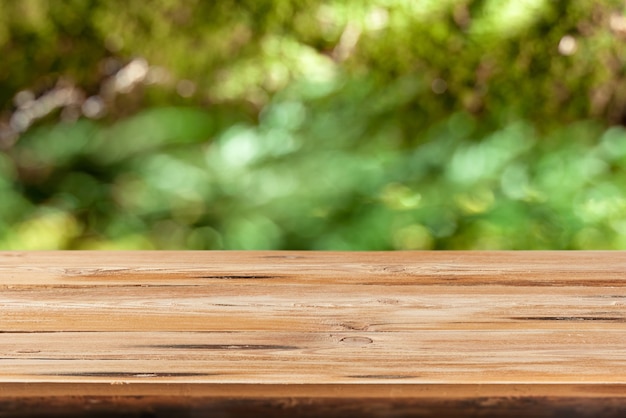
[(401, 326)]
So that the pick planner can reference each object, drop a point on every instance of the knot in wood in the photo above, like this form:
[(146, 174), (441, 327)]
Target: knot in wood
[(356, 340)]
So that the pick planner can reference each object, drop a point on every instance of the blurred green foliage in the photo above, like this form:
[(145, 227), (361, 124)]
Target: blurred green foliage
[(275, 124)]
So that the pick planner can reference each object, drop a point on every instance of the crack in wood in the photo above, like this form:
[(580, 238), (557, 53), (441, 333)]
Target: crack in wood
[(43, 332), (223, 347), (132, 374), (571, 318), (285, 257), (236, 277), (381, 376)]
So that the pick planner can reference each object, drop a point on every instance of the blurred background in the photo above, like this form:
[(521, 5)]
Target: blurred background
[(345, 125)]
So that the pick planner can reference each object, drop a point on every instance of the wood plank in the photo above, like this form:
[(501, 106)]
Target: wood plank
[(440, 327)]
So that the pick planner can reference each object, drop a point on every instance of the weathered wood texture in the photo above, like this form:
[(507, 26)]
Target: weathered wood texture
[(378, 334)]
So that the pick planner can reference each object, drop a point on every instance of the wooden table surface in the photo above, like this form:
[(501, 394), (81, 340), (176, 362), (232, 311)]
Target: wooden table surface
[(311, 333)]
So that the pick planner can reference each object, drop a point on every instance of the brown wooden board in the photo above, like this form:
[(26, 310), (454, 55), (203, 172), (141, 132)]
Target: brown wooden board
[(307, 333)]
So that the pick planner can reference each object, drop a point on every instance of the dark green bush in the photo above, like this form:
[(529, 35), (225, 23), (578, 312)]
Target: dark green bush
[(299, 125)]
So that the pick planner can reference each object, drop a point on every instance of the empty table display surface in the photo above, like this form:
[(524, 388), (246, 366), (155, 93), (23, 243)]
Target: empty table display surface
[(313, 333)]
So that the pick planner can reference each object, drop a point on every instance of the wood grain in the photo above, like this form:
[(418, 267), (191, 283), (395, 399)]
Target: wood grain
[(252, 329)]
